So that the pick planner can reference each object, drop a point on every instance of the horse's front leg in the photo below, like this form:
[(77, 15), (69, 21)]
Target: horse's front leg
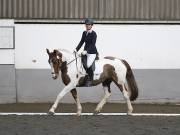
[(66, 89), (76, 98)]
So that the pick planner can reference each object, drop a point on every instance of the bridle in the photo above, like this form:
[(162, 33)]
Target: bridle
[(64, 64), (75, 59)]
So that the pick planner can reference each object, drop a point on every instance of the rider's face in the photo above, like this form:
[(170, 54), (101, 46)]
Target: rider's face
[(88, 27)]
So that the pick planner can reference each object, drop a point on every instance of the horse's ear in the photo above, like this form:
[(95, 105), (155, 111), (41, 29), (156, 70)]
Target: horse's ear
[(55, 51), (47, 51), (58, 53)]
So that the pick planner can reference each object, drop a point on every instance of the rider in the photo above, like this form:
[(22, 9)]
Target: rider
[(89, 37)]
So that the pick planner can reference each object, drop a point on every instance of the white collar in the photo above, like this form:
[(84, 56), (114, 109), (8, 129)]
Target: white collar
[(89, 31)]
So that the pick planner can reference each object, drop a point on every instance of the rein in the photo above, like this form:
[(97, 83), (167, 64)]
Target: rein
[(62, 66)]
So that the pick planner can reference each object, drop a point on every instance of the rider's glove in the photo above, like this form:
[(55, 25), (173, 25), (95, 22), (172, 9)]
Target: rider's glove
[(84, 52)]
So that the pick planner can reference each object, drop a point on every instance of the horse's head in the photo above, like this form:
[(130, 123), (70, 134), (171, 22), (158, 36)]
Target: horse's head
[(55, 61)]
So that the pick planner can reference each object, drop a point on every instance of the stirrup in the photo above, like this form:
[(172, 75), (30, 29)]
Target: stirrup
[(88, 83)]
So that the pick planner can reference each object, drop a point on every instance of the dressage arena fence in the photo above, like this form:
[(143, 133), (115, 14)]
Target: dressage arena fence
[(92, 114)]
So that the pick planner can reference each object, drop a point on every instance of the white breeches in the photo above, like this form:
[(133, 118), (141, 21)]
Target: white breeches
[(90, 59)]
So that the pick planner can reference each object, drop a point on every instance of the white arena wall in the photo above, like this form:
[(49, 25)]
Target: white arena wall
[(143, 46), (151, 50)]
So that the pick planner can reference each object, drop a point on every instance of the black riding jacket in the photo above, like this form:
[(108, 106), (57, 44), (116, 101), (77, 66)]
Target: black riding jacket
[(90, 42)]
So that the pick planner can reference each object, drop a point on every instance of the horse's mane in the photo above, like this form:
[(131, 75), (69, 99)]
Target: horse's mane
[(67, 54), (65, 50)]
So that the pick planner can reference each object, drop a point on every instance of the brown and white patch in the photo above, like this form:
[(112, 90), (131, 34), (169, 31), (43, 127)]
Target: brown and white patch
[(110, 57)]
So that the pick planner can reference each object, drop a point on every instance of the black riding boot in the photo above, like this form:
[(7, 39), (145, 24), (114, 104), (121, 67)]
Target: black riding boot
[(90, 77)]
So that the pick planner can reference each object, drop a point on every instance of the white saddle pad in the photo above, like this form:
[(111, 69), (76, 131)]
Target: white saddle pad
[(98, 68)]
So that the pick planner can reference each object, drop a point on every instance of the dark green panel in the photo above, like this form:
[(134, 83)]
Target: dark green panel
[(98, 9)]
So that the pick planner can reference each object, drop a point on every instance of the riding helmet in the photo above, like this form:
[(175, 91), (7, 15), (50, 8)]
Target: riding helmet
[(88, 21)]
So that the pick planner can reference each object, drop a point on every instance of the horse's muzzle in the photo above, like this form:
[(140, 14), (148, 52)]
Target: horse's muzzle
[(55, 76)]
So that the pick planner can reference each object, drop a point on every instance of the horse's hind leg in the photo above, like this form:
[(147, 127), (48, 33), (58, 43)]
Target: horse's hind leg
[(76, 98), (124, 90), (106, 87)]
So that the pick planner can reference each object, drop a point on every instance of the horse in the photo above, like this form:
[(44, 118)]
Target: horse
[(110, 69)]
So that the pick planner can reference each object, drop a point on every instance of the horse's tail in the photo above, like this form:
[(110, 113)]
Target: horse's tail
[(131, 82)]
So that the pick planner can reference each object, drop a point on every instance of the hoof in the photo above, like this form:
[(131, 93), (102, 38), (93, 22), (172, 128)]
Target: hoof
[(129, 113), (96, 112), (51, 113), (78, 114)]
